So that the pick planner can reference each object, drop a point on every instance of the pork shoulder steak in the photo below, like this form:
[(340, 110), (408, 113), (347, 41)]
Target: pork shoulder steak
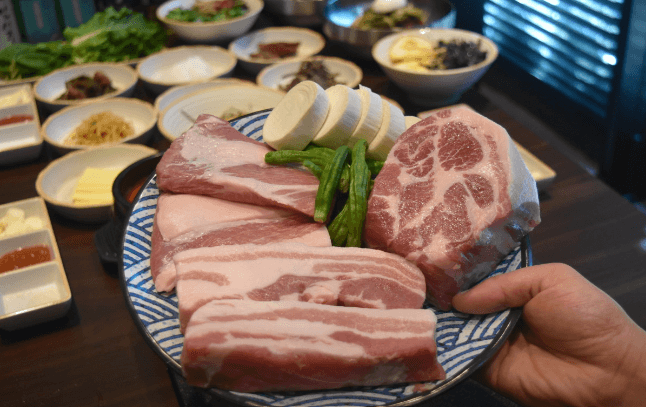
[(212, 158), (454, 197), (253, 346), (189, 221), (352, 277)]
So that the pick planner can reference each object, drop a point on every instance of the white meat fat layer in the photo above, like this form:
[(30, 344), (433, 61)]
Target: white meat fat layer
[(287, 335), (243, 275), (181, 213)]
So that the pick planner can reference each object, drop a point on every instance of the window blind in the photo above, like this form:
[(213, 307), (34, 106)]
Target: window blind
[(570, 45)]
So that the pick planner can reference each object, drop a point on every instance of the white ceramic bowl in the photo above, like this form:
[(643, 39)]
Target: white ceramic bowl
[(56, 182), (19, 142), (178, 117), (435, 87), (141, 115), (51, 86), (36, 293), (282, 73), (209, 32), (176, 92), (310, 44), (185, 65)]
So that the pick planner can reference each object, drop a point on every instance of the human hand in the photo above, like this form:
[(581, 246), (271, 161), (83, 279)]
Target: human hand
[(573, 345)]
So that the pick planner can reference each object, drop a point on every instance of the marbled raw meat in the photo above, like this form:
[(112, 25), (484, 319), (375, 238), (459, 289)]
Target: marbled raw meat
[(454, 197), (253, 346), (181, 225), (353, 277), (212, 158)]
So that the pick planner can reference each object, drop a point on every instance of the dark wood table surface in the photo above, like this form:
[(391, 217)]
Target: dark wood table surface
[(95, 356)]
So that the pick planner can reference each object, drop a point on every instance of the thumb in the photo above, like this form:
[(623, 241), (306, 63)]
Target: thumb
[(511, 290)]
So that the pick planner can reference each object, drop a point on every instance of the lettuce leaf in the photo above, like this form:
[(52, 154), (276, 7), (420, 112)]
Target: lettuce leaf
[(25, 60), (112, 36), (109, 36)]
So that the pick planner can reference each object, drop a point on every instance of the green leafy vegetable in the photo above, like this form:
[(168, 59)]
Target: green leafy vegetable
[(112, 36), (109, 36), (206, 11), (405, 17), (25, 60)]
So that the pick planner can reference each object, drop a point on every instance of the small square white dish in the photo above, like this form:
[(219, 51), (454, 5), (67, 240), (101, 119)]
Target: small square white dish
[(22, 141), (21, 217), (35, 293)]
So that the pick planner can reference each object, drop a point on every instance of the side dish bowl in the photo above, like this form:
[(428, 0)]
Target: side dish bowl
[(176, 92), (339, 16), (56, 182), (209, 32), (438, 87), (139, 114), (185, 65), (52, 86), (223, 101), (309, 43), (281, 74)]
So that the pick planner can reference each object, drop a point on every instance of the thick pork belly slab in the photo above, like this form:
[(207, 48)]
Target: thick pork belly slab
[(294, 227), (177, 214), (253, 346), (352, 277), (454, 197), (212, 158)]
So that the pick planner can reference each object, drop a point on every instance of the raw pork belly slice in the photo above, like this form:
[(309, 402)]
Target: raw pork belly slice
[(352, 277), (252, 346), (177, 214), (454, 197), (296, 227), (212, 158)]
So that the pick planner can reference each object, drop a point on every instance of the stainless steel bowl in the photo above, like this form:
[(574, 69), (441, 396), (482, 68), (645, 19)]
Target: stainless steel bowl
[(340, 14), (299, 13)]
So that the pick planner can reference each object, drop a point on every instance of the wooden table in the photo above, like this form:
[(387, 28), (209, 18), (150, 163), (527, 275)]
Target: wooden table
[(95, 356)]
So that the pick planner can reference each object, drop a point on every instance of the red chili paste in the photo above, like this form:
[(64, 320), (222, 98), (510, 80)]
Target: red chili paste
[(132, 193), (18, 118), (24, 257)]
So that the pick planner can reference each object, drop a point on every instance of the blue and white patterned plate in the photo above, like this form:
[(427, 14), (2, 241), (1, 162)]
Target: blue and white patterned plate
[(464, 341)]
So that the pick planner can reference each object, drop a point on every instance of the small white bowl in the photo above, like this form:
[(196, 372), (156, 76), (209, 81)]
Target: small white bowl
[(435, 87), (310, 44), (141, 116), (176, 92), (282, 73), (56, 182), (51, 86), (160, 71), (209, 32), (179, 116), (20, 142), (40, 292)]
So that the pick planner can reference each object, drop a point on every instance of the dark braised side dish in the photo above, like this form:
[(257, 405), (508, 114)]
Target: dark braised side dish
[(312, 71), (461, 54), (83, 87), (274, 50)]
